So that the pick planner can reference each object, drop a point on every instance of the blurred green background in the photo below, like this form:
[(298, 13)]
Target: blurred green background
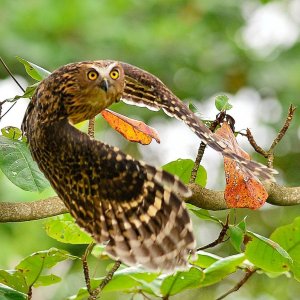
[(199, 49)]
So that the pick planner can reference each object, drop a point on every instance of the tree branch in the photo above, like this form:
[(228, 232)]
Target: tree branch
[(28, 211), (214, 200), (202, 198)]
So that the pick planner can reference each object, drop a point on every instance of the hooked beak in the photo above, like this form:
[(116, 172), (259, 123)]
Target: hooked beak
[(104, 85)]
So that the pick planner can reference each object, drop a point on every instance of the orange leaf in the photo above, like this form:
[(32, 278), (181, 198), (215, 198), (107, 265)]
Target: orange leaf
[(242, 190), (132, 130)]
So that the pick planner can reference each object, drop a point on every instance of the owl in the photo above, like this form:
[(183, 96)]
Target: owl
[(135, 209)]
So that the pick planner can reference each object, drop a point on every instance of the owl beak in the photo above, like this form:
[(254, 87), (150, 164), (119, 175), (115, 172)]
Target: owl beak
[(104, 85)]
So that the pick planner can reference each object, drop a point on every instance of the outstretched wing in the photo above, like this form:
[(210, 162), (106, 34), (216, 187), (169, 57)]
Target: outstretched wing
[(132, 207), (144, 89)]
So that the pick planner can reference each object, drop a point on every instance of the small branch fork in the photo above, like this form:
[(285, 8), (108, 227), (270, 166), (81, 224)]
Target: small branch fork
[(221, 237), (270, 159), (269, 154), (220, 117)]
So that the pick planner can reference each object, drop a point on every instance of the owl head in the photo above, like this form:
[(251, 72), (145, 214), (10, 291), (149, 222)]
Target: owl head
[(82, 90)]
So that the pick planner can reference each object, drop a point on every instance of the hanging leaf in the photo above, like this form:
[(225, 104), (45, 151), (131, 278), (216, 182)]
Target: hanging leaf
[(242, 189), (18, 166), (64, 229), (132, 130), (183, 168), (33, 70)]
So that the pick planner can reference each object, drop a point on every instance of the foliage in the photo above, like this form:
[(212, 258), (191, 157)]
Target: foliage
[(197, 48), (253, 251)]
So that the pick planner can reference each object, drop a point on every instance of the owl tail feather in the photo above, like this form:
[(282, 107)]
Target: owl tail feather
[(155, 231)]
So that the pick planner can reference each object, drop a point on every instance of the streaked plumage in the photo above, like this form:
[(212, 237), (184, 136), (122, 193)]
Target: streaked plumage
[(133, 207)]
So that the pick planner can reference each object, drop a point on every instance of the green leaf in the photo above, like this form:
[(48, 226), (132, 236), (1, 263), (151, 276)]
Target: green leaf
[(15, 279), (33, 70), (183, 168), (12, 133), (222, 268), (126, 279), (181, 281), (27, 94), (202, 213), (98, 250), (222, 103), (205, 259), (17, 164), (266, 254), (45, 280), (237, 233), (33, 266), (64, 229), (288, 237), (7, 293)]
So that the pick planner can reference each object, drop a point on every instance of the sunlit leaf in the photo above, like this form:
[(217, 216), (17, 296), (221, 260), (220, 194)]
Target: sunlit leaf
[(7, 293), (64, 229), (205, 259), (180, 281), (33, 70), (222, 103), (132, 130), (12, 133), (45, 280), (222, 268), (14, 279), (29, 272), (127, 279), (17, 164), (288, 237), (33, 265), (266, 254), (242, 189), (183, 168)]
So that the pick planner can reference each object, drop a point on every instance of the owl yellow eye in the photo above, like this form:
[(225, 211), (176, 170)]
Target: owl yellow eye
[(114, 74), (92, 75)]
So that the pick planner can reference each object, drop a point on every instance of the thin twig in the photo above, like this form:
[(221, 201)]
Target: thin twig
[(95, 293), (10, 73), (85, 266), (16, 81), (248, 274), (270, 153), (201, 150), (220, 238), (284, 128), (255, 146), (91, 128)]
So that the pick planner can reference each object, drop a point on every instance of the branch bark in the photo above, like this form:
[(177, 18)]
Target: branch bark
[(202, 198)]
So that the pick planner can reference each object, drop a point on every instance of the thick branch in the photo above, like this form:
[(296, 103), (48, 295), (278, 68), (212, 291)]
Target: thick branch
[(28, 211), (214, 200), (202, 197)]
